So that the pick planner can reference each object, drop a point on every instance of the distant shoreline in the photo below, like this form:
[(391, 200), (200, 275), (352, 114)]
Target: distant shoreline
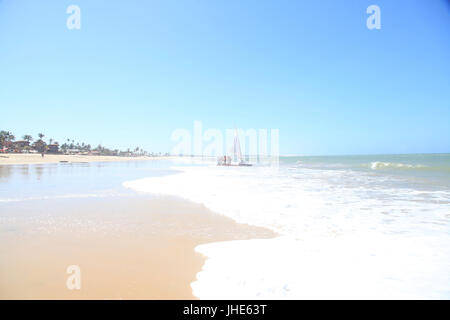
[(21, 158)]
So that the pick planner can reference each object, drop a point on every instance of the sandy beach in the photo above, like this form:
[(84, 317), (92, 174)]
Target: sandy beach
[(24, 158), (126, 248)]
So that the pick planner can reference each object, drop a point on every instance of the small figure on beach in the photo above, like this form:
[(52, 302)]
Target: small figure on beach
[(42, 154)]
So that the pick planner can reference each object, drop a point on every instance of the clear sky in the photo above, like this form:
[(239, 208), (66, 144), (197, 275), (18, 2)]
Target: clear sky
[(137, 70)]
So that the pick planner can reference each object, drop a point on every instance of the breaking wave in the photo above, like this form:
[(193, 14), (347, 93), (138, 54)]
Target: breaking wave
[(386, 165)]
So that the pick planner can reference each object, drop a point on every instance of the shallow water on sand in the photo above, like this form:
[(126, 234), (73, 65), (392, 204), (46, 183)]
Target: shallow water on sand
[(127, 246), (68, 180)]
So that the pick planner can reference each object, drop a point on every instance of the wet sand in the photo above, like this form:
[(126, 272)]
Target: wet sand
[(24, 158), (132, 247)]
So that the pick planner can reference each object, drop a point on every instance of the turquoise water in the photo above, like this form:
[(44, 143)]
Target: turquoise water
[(420, 170)]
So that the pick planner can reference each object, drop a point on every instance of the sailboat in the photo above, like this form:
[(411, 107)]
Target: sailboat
[(235, 157)]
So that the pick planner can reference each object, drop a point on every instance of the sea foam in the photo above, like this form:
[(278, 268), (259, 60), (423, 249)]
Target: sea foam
[(383, 165), (342, 234)]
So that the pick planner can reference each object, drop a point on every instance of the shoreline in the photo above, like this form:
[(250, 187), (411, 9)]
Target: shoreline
[(133, 247), (26, 158)]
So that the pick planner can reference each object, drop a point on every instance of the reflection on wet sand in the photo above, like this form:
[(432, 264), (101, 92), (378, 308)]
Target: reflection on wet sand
[(127, 247)]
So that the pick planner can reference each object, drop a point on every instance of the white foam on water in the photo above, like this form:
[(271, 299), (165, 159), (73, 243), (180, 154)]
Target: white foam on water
[(383, 165), (343, 234)]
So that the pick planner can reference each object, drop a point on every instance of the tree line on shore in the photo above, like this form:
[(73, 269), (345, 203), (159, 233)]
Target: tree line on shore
[(9, 144)]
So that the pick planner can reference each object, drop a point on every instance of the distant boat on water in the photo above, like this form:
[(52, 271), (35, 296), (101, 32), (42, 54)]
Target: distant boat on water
[(234, 156)]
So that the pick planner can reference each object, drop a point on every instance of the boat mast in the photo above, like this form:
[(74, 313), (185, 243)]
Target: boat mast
[(237, 147)]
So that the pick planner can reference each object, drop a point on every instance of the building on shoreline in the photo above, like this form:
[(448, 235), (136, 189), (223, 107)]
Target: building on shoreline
[(53, 148)]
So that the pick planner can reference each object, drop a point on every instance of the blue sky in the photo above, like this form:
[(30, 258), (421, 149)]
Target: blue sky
[(137, 70)]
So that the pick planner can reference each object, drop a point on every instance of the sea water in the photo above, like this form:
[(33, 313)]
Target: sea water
[(27, 182), (348, 226)]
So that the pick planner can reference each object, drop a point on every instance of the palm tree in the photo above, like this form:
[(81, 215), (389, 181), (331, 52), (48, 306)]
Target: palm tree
[(40, 145), (27, 137), (11, 137), (50, 140), (5, 138)]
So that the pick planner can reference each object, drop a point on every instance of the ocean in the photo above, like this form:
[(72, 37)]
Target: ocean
[(369, 226)]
